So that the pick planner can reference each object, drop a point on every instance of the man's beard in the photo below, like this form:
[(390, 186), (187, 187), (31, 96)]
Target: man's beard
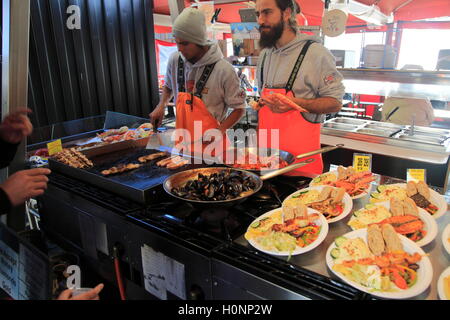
[(270, 38)]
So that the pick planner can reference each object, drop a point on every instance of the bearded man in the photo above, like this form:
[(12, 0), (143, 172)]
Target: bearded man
[(299, 67)]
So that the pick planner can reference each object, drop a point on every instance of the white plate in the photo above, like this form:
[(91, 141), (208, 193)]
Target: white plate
[(353, 198), (440, 284), (445, 237), (348, 203), (430, 224), (321, 221), (424, 274), (435, 198)]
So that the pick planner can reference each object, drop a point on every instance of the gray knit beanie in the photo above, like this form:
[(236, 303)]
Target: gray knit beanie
[(190, 26)]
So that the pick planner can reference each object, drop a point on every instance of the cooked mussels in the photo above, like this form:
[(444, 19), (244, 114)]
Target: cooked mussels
[(225, 185)]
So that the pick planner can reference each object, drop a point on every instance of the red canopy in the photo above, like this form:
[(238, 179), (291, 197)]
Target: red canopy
[(404, 10)]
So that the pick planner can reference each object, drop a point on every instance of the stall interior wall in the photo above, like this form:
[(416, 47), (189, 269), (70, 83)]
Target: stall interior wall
[(108, 63)]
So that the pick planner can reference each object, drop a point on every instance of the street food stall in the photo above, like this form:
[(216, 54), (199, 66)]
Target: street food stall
[(154, 223)]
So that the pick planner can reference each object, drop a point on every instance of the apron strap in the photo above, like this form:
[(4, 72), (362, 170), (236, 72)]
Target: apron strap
[(297, 65), (203, 79), (180, 76), (262, 69)]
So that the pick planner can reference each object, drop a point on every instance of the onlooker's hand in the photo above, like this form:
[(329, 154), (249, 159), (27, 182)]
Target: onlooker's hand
[(16, 126), (25, 184), (90, 295), (157, 116)]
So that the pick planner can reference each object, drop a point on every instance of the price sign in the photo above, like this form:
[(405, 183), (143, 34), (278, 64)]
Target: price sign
[(54, 147), (362, 162), (416, 175)]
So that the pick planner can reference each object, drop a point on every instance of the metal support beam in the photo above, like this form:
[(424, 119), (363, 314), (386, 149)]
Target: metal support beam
[(15, 48), (175, 6)]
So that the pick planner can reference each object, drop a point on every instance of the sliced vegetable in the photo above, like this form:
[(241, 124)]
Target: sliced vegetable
[(357, 213), (335, 253), (255, 224), (376, 195), (398, 279), (340, 240), (317, 180), (300, 193)]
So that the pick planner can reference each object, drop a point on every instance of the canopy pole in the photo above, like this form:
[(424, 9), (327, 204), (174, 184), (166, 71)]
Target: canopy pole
[(15, 50)]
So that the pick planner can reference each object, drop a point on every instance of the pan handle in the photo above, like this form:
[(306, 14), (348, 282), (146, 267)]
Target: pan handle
[(287, 169), (322, 150)]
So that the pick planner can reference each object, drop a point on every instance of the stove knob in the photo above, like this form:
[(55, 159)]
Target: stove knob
[(196, 293)]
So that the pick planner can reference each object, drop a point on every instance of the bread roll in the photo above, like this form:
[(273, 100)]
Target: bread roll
[(338, 194), (375, 240), (292, 212), (301, 211), (341, 172), (410, 207), (391, 238), (411, 188), (423, 189), (396, 207), (325, 193)]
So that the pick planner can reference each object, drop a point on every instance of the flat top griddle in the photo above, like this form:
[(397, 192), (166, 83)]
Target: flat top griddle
[(135, 184)]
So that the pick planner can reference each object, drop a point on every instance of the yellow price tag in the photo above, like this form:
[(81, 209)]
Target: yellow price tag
[(54, 147), (362, 162), (416, 175)]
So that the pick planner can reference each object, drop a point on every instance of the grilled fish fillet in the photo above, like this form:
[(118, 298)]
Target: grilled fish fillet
[(120, 169), (151, 157), (375, 240), (176, 163)]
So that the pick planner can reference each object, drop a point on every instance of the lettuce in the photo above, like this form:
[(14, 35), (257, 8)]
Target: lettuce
[(278, 241)]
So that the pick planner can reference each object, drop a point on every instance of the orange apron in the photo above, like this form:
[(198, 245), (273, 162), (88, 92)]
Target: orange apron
[(192, 112), (296, 134)]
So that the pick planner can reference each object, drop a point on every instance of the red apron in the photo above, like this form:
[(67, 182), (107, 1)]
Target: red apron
[(296, 134), (191, 111)]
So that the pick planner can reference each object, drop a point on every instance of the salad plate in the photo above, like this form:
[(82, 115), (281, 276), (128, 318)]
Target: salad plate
[(261, 235), (369, 276)]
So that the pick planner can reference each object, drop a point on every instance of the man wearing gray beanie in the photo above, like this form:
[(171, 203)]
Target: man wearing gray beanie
[(204, 85)]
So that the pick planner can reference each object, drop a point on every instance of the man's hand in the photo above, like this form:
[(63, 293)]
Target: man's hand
[(157, 116), (16, 126), (275, 105), (90, 295), (25, 184)]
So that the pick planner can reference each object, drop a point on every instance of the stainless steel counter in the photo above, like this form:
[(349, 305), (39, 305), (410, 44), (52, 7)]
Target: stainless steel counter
[(404, 136), (315, 259)]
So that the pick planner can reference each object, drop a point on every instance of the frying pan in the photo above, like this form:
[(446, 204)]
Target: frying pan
[(179, 179), (237, 153)]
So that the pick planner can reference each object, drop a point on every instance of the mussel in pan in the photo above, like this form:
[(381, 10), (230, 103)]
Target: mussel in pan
[(223, 185)]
